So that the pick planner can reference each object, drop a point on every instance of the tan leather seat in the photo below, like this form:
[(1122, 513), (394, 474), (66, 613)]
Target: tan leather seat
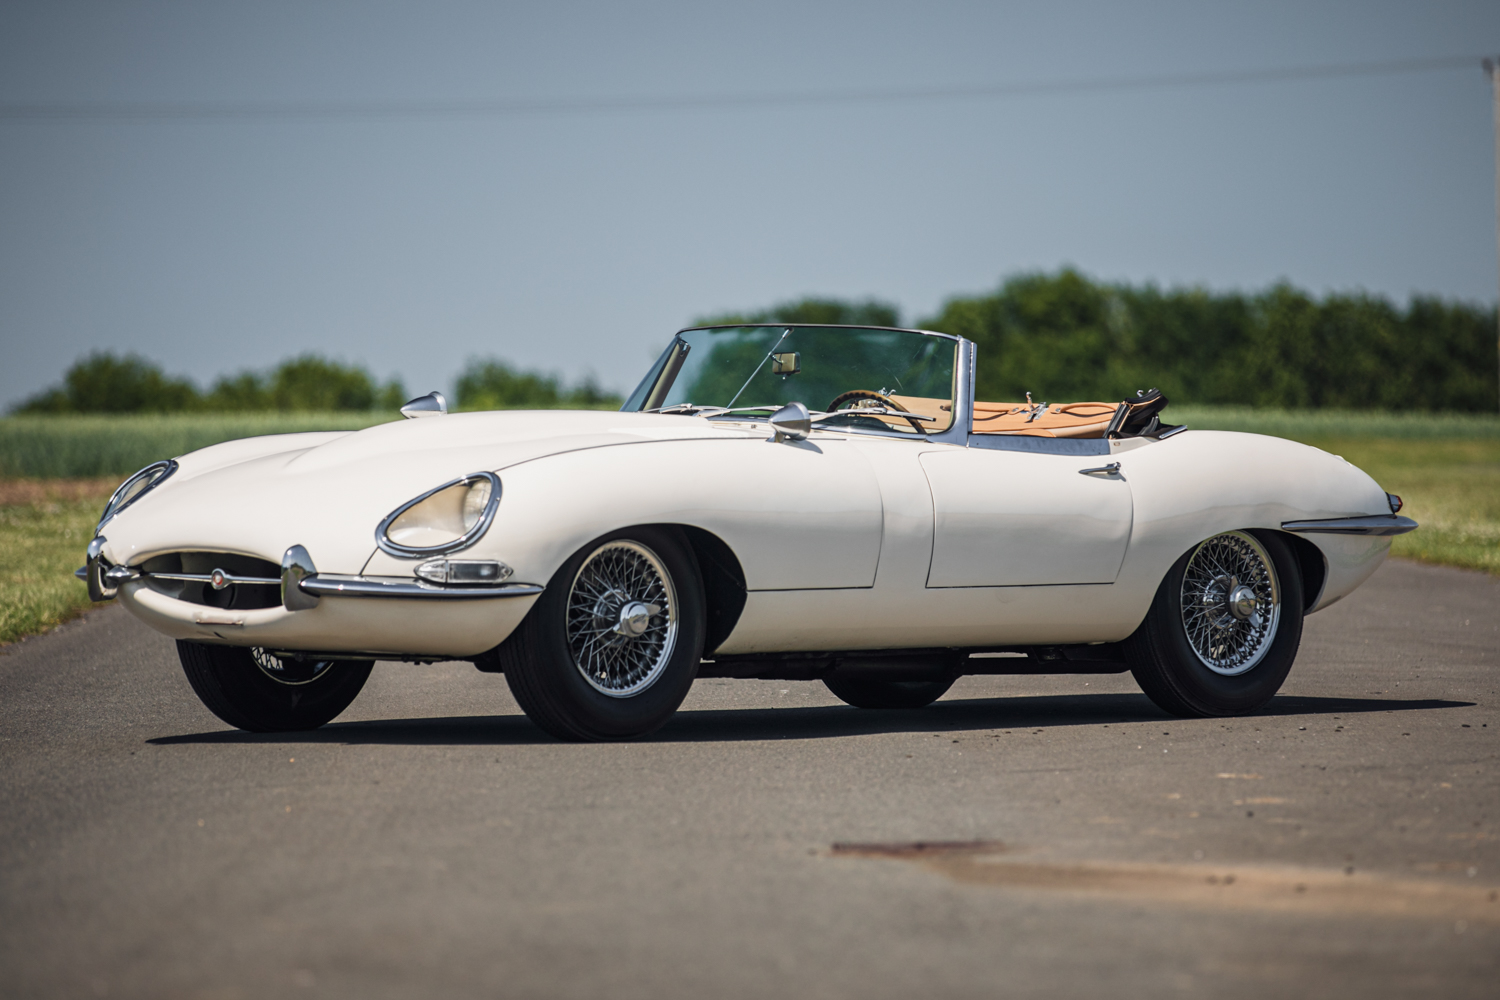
[(1064, 420)]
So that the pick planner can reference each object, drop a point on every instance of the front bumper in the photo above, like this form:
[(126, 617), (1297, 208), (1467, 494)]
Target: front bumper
[(324, 612), (398, 626)]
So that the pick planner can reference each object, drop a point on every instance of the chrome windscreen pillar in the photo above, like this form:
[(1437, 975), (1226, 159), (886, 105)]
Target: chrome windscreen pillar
[(963, 398)]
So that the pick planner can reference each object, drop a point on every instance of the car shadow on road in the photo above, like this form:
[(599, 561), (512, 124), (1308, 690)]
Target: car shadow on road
[(822, 722)]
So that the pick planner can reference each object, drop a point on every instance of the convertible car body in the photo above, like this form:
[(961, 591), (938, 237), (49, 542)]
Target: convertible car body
[(772, 501)]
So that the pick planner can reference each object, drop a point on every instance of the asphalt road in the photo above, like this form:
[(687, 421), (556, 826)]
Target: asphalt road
[(1344, 842)]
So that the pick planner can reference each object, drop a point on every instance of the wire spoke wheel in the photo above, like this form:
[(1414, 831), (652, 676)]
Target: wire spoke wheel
[(288, 671), (622, 618), (1230, 603)]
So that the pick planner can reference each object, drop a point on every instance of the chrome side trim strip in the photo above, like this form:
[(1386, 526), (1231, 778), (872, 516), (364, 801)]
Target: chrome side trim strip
[(333, 585), (1040, 445), (1366, 524)]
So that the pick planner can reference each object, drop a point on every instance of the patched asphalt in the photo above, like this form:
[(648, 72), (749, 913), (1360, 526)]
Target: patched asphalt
[(1028, 836)]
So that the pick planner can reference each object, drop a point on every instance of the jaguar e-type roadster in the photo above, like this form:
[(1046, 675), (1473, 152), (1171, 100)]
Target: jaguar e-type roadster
[(797, 502)]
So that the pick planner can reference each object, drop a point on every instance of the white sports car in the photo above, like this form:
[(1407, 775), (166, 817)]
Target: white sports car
[(797, 502)]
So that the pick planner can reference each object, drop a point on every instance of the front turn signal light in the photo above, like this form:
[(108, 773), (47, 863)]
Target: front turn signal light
[(462, 571)]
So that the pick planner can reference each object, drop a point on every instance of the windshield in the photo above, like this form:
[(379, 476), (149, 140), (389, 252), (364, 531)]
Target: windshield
[(869, 376)]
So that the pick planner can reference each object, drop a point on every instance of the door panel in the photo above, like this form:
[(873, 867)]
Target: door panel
[(1007, 519), (801, 515)]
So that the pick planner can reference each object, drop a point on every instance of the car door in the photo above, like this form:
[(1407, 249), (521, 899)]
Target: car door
[(1005, 518)]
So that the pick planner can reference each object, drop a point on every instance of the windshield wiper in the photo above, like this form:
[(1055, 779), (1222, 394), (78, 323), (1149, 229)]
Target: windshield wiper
[(688, 408), (817, 416), (874, 411)]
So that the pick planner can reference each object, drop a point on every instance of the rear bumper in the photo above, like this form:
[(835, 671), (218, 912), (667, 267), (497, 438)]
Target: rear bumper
[(1367, 524)]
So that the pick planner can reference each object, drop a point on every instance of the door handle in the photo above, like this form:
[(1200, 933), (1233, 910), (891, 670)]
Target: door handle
[(1112, 469)]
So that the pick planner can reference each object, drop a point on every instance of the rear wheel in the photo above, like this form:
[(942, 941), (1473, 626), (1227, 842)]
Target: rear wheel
[(862, 693), (253, 690), (1224, 629), (611, 647)]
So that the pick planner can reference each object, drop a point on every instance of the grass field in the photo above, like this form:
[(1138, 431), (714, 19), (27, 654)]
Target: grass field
[(89, 446), (55, 474), (44, 528)]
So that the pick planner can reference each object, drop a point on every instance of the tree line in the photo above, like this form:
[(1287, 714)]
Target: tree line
[(104, 382), (1062, 336), (1059, 336)]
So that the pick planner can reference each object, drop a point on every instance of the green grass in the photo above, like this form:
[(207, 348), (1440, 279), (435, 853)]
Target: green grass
[(1306, 425), (69, 447), (1450, 487), (87, 446), (40, 546)]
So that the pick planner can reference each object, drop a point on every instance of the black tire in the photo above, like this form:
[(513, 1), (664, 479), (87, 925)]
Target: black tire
[(235, 688), (863, 693), (544, 673), (1172, 674)]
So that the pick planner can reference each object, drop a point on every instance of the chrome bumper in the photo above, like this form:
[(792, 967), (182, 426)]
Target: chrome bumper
[(302, 586), (331, 585), (1369, 524)]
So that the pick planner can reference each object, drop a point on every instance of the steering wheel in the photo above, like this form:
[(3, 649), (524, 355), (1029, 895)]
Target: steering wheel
[(881, 398)]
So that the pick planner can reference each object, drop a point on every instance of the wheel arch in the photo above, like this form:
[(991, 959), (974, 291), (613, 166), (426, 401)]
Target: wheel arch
[(723, 583), (1312, 565), (724, 587)]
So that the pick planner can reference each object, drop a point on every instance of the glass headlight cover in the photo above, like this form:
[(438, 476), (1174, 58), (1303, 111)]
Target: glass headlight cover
[(447, 519), (135, 487)]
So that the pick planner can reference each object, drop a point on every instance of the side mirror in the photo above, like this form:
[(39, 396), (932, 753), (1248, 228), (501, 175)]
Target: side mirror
[(434, 404), (790, 423)]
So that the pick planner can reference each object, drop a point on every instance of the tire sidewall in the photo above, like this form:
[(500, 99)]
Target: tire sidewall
[(1210, 693), (598, 714), (235, 689)]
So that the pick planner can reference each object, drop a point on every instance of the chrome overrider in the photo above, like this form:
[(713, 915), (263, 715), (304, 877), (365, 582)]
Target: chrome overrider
[(302, 586)]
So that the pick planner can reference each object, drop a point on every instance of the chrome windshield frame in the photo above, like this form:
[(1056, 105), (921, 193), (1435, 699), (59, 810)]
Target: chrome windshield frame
[(957, 432)]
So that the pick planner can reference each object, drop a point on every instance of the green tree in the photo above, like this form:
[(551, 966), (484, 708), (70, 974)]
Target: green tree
[(306, 383), (1063, 337), (105, 383), (813, 310), (491, 384)]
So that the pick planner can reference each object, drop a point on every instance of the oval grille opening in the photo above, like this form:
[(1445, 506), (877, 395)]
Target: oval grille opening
[(237, 595)]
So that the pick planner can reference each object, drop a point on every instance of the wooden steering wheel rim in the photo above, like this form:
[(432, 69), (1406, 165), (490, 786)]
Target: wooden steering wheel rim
[(884, 400)]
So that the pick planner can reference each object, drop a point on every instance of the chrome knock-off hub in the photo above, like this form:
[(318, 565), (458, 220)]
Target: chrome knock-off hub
[(1242, 602), (635, 618)]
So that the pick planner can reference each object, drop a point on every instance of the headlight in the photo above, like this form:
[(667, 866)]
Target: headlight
[(447, 519), (135, 487)]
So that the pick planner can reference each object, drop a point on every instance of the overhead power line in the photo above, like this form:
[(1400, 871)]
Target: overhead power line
[(375, 110)]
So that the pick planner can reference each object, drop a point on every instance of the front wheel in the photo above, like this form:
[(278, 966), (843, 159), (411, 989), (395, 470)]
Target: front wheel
[(611, 647), (254, 690), (1224, 628)]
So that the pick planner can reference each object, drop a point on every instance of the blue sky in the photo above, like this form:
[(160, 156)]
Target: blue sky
[(577, 242)]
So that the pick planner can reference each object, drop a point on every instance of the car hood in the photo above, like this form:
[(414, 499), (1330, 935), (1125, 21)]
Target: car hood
[(328, 491)]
